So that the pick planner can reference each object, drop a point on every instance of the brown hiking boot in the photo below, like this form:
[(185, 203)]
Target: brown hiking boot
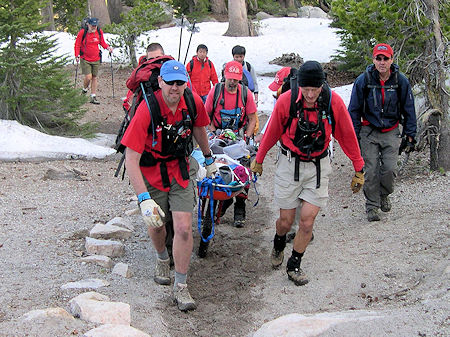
[(276, 258), (385, 203), (298, 276), (182, 298), (372, 215), (162, 272)]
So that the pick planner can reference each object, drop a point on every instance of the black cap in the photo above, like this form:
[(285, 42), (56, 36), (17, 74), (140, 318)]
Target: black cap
[(311, 74)]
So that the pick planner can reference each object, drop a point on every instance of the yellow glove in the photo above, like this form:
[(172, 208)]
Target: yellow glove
[(152, 213), (357, 182), (256, 167)]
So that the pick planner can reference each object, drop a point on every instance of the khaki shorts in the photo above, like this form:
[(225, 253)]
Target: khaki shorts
[(289, 193), (89, 67), (178, 199)]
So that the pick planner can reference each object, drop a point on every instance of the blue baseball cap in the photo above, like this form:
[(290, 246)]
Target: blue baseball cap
[(173, 71), (93, 21)]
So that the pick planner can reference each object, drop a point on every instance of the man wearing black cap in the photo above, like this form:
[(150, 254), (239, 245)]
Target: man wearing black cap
[(86, 49), (303, 167), (381, 97)]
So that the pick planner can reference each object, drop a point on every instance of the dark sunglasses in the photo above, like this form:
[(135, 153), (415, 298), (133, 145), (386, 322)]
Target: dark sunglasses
[(382, 58), (179, 83)]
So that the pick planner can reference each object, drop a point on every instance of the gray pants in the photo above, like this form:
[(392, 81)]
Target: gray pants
[(380, 153)]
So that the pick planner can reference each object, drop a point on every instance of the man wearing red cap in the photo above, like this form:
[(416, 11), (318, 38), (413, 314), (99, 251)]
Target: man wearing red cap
[(304, 129), (381, 98), (228, 111)]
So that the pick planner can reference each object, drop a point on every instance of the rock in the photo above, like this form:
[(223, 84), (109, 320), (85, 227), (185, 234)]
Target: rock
[(263, 15), (91, 308), (40, 314), (115, 330), (101, 231), (122, 270), (101, 260), (296, 325), (54, 173), (121, 222), (288, 60), (312, 13), (85, 284), (104, 247)]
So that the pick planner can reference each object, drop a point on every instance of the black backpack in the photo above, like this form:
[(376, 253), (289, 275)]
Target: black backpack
[(144, 83), (191, 65), (84, 26)]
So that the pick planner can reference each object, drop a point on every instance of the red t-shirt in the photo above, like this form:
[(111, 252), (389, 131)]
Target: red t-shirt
[(89, 46), (343, 132), (230, 103), (139, 139)]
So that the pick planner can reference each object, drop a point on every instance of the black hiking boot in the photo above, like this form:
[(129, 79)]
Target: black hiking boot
[(239, 213), (206, 231)]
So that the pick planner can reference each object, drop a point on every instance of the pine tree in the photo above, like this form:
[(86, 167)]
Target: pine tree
[(36, 90)]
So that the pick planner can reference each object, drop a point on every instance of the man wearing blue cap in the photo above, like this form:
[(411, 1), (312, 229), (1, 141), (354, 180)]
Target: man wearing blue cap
[(86, 49), (157, 160)]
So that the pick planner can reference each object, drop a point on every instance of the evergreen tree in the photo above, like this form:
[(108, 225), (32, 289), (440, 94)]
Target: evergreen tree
[(36, 90)]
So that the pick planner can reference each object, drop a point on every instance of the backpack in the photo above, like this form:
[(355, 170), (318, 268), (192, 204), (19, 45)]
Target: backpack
[(309, 136), (143, 82), (191, 64), (247, 78), (84, 26), (218, 88)]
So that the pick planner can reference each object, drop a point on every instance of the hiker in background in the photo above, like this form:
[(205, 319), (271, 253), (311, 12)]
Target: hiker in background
[(153, 50), (303, 168), (86, 48), (202, 72), (381, 98), (230, 107), (158, 146)]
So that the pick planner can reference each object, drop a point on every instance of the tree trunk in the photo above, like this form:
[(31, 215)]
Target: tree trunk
[(218, 7), (237, 19), (287, 3), (98, 9), (324, 5), (437, 96), (47, 16), (114, 10)]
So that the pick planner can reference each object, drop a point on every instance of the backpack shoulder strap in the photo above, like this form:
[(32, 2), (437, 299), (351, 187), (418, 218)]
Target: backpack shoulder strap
[(249, 67), (244, 92), (217, 89), (191, 65), (327, 96), (84, 34), (190, 103), (294, 95), (209, 62)]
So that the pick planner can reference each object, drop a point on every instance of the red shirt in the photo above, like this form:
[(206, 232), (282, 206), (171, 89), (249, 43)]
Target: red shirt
[(343, 133), (230, 103), (202, 74), (89, 47), (139, 139)]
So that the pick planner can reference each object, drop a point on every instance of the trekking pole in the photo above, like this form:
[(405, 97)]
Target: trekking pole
[(112, 74), (193, 30), (76, 76), (181, 34)]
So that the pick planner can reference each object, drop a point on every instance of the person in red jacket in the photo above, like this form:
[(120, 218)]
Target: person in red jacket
[(86, 49), (202, 72), (303, 167)]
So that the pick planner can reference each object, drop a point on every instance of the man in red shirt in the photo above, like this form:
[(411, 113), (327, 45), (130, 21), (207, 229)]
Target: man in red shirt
[(86, 48), (202, 72), (232, 113), (303, 167), (158, 145)]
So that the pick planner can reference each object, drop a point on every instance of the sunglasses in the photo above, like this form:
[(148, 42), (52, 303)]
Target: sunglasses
[(382, 58), (179, 83)]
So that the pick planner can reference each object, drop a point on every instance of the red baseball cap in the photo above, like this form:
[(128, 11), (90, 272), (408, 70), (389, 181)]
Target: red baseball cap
[(233, 70), (279, 77), (383, 49)]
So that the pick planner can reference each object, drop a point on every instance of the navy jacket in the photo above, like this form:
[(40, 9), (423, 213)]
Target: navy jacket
[(383, 116)]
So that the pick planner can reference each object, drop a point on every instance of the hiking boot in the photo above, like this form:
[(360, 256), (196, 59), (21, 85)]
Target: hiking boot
[(162, 272), (276, 258), (182, 298), (372, 215), (84, 91), (385, 203), (239, 213), (297, 276), (94, 100)]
